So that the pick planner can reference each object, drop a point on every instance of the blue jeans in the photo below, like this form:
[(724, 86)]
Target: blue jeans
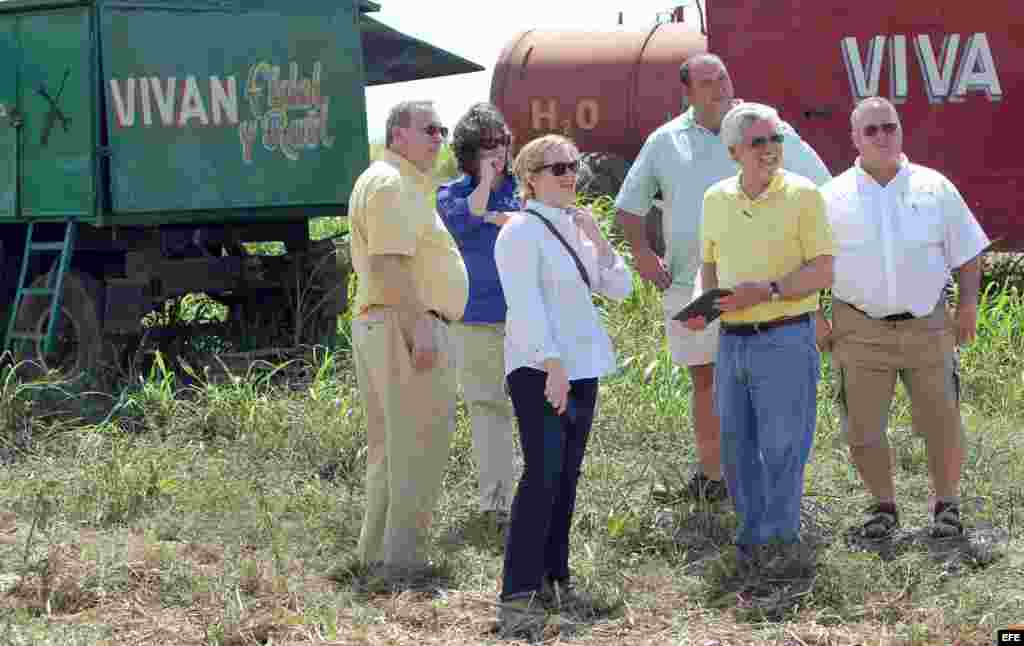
[(765, 394), (537, 547)]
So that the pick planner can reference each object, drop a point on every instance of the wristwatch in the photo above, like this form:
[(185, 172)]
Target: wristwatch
[(774, 292)]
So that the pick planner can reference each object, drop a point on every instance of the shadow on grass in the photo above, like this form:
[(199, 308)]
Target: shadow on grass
[(978, 548), (378, 579), (479, 530)]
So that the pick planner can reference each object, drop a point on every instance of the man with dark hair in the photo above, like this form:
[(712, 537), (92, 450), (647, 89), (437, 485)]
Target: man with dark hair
[(412, 282), (900, 229), (682, 159)]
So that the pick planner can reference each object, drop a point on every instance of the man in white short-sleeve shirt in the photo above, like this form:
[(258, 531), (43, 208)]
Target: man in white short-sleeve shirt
[(682, 159), (900, 230)]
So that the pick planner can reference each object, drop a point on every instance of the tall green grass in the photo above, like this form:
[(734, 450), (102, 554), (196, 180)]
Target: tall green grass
[(211, 510)]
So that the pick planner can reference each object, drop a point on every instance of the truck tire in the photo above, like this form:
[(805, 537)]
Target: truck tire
[(79, 342)]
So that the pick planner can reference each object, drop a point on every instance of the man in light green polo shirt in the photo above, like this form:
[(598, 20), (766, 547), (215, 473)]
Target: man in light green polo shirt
[(412, 282), (682, 159), (766, 238)]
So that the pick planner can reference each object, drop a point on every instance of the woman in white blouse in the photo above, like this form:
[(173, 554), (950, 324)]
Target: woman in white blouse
[(555, 351)]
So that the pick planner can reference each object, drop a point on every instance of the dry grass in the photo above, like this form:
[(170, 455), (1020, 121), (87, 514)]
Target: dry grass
[(221, 512)]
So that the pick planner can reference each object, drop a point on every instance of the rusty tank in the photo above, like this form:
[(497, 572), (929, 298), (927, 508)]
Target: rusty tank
[(608, 90)]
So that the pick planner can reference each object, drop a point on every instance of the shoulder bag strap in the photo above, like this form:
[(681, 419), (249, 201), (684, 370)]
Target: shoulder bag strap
[(576, 258)]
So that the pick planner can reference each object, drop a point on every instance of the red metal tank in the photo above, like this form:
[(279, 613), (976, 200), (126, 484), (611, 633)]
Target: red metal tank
[(608, 90)]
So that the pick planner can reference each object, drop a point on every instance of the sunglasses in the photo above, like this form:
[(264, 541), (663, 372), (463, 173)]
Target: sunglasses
[(761, 142), (493, 142), (560, 168), (434, 129), (888, 128)]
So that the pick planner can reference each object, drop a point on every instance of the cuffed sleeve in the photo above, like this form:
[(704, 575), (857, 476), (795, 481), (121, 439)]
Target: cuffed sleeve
[(965, 238), (457, 216), (636, 195), (616, 280), (816, 237), (518, 258), (391, 227)]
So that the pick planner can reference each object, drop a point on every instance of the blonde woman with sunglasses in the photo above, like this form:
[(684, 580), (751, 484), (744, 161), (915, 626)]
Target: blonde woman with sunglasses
[(551, 257)]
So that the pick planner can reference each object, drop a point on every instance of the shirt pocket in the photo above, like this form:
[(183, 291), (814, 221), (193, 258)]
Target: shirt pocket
[(921, 223)]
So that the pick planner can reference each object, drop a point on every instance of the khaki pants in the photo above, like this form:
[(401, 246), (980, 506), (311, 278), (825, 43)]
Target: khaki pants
[(869, 355), (410, 417), (480, 360)]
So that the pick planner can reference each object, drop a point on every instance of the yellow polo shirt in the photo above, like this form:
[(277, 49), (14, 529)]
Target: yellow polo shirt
[(391, 212), (765, 239)]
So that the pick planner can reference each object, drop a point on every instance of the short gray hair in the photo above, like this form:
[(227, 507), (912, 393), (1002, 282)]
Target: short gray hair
[(738, 119), (872, 102), (400, 116), (684, 69)]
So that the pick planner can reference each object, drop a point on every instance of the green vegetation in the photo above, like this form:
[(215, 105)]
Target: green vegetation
[(192, 508)]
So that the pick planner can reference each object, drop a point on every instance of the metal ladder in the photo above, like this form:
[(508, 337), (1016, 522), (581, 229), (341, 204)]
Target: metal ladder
[(54, 289)]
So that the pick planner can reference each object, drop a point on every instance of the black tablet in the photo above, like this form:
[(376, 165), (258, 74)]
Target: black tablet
[(703, 305)]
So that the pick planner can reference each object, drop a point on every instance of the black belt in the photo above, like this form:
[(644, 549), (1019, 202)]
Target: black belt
[(439, 316), (748, 329), (902, 316)]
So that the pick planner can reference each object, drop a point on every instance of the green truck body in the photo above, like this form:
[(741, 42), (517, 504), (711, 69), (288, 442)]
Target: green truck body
[(173, 132)]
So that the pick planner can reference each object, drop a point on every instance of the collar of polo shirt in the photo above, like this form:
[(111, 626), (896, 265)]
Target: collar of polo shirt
[(777, 184)]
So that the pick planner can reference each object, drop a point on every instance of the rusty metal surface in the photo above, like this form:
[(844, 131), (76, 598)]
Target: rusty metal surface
[(606, 89)]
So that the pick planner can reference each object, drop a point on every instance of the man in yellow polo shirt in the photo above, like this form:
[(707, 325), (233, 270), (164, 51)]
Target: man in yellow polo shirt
[(412, 282), (766, 237)]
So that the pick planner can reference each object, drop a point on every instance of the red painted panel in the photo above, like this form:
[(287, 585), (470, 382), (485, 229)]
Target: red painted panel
[(795, 61)]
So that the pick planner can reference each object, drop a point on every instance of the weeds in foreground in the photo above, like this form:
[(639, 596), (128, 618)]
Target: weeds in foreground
[(226, 511)]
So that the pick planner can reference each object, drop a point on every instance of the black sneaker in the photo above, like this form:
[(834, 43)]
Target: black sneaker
[(701, 487), (880, 523), (946, 521)]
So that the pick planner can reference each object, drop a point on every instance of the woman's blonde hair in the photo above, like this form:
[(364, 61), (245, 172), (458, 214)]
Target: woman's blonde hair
[(530, 157)]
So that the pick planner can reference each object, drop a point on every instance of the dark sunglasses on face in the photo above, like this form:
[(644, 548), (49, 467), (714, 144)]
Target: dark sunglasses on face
[(434, 129), (560, 168), (761, 142), (888, 128), (493, 142)]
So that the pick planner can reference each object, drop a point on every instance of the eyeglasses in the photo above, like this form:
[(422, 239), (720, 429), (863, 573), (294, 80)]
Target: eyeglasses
[(434, 129), (761, 142), (493, 142), (888, 128), (560, 168)]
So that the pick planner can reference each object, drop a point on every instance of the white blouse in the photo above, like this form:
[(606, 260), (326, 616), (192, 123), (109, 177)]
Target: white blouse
[(550, 310)]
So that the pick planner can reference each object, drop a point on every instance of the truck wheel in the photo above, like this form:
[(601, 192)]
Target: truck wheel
[(79, 337)]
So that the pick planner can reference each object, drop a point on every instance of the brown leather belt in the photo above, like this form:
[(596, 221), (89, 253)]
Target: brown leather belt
[(748, 329), (376, 308), (902, 316)]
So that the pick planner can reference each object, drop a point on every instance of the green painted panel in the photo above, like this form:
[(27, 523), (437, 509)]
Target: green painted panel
[(211, 111), (8, 103), (8, 171), (55, 86)]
